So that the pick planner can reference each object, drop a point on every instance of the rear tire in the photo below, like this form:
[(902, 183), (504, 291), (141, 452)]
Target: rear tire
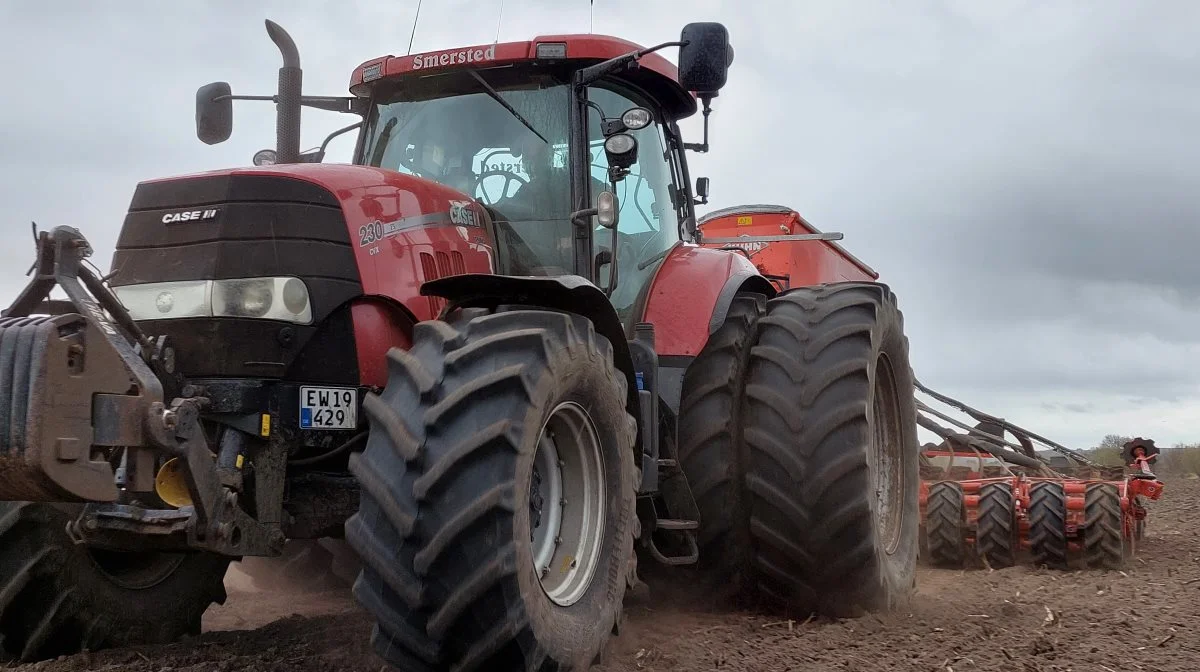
[(996, 529), (1104, 544), (830, 497), (945, 524), (445, 525), (57, 598), (1048, 524), (709, 429)]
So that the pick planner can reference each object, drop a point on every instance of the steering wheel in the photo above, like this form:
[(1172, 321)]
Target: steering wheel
[(508, 177)]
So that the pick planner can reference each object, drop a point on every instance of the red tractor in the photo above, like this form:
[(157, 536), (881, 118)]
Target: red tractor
[(496, 351)]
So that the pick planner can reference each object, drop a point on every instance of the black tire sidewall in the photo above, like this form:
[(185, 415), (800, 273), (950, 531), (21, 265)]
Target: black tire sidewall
[(119, 615), (584, 625), (897, 569), (935, 499)]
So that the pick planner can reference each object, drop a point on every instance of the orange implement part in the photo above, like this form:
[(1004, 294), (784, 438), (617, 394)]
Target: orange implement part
[(787, 263), (1130, 490)]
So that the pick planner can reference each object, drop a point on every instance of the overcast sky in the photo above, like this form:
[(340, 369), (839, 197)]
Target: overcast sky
[(1024, 174)]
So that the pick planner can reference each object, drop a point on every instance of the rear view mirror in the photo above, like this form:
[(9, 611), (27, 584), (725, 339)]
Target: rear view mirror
[(214, 113), (705, 57)]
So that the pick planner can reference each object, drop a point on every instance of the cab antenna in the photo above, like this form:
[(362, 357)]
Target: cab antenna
[(414, 28), (498, 20)]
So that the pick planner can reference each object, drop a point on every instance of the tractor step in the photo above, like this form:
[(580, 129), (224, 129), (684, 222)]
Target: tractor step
[(666, 463), (692, 552)]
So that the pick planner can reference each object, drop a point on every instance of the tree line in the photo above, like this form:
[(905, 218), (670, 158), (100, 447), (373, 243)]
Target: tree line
[(1182, 458)]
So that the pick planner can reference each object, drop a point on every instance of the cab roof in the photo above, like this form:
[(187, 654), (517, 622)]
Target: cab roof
[(657, 75)]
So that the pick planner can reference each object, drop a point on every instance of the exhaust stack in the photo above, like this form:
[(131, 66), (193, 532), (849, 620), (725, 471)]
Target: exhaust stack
[(287, 104)]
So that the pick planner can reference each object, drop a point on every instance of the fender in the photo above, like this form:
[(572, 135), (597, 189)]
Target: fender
[(691, 294), (740, 281), (568, 293), (380, 324)]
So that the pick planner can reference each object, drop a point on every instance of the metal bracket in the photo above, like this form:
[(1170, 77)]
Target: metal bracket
[(789, 238)]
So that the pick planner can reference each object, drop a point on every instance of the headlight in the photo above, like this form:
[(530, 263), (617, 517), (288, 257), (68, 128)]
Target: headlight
[(283, 299), (166, 300)]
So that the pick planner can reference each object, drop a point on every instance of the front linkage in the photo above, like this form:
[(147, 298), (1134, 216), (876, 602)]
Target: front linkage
[(83, 418)]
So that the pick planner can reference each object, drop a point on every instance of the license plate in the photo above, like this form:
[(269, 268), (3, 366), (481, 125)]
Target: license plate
[(328, 408)]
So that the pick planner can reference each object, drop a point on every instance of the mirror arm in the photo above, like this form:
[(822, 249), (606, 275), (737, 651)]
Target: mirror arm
[(580, 217), (592, 73), (233, 97), (345, 104), (702, 147)]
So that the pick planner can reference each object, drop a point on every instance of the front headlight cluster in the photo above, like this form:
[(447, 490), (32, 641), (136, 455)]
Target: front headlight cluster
[(261, 298)]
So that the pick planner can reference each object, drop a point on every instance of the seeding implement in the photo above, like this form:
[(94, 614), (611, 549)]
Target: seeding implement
[(986, 501), (504, 398)]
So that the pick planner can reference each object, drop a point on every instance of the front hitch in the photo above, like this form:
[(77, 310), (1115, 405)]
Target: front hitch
[(85, 394)]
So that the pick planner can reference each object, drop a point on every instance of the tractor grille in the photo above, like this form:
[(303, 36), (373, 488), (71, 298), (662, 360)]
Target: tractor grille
[(217, 227)]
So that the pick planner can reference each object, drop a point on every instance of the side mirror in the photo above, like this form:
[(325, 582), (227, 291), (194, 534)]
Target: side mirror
[(702, 190), (214, 113), (705, 57)]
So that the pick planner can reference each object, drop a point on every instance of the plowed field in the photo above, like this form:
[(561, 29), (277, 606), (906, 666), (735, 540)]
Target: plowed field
[(1018, 619)]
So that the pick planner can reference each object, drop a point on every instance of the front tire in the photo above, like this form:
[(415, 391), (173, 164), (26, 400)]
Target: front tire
[(831, 451), (448, 528), (57, 598)]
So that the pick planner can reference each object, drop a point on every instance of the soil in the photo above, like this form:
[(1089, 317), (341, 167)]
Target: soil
[(1019, 619)]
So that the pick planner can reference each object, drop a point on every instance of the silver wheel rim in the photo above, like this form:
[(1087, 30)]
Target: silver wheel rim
[(566, 504), (887, 447)]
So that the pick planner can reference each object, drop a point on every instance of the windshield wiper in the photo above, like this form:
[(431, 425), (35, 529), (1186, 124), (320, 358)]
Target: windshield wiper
[(512, 110)]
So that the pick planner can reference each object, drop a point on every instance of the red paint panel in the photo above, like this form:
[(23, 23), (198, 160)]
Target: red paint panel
[(378, 327), (601, 47), (684, 293), (419, 210), (804, 263)]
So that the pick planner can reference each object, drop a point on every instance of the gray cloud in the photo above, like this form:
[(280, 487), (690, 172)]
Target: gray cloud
[(1021, 172)]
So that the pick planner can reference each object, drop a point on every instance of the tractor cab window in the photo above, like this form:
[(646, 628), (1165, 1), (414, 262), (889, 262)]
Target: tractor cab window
[(450, 129), (648, 223)]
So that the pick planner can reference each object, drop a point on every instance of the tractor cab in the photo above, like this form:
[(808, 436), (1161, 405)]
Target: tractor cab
[(534, 132)]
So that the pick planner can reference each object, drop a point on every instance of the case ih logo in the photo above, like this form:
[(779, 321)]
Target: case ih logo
[(462, 214), (190, 216), (454, 57)]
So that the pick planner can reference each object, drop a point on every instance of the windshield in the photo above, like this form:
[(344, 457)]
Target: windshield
[(648, 221), (451, 129)]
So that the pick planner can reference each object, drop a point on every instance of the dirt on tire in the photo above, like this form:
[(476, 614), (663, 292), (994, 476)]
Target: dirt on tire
[(1023, 619)]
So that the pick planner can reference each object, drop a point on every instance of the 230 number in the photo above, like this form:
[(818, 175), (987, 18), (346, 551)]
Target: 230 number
[(370, 233)]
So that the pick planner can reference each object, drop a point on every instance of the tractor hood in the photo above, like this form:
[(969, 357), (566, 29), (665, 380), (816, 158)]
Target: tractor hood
[(343, 231)]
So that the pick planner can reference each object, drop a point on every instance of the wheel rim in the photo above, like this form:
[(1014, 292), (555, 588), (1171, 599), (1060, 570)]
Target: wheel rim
[(887, 445), (566, 504)]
